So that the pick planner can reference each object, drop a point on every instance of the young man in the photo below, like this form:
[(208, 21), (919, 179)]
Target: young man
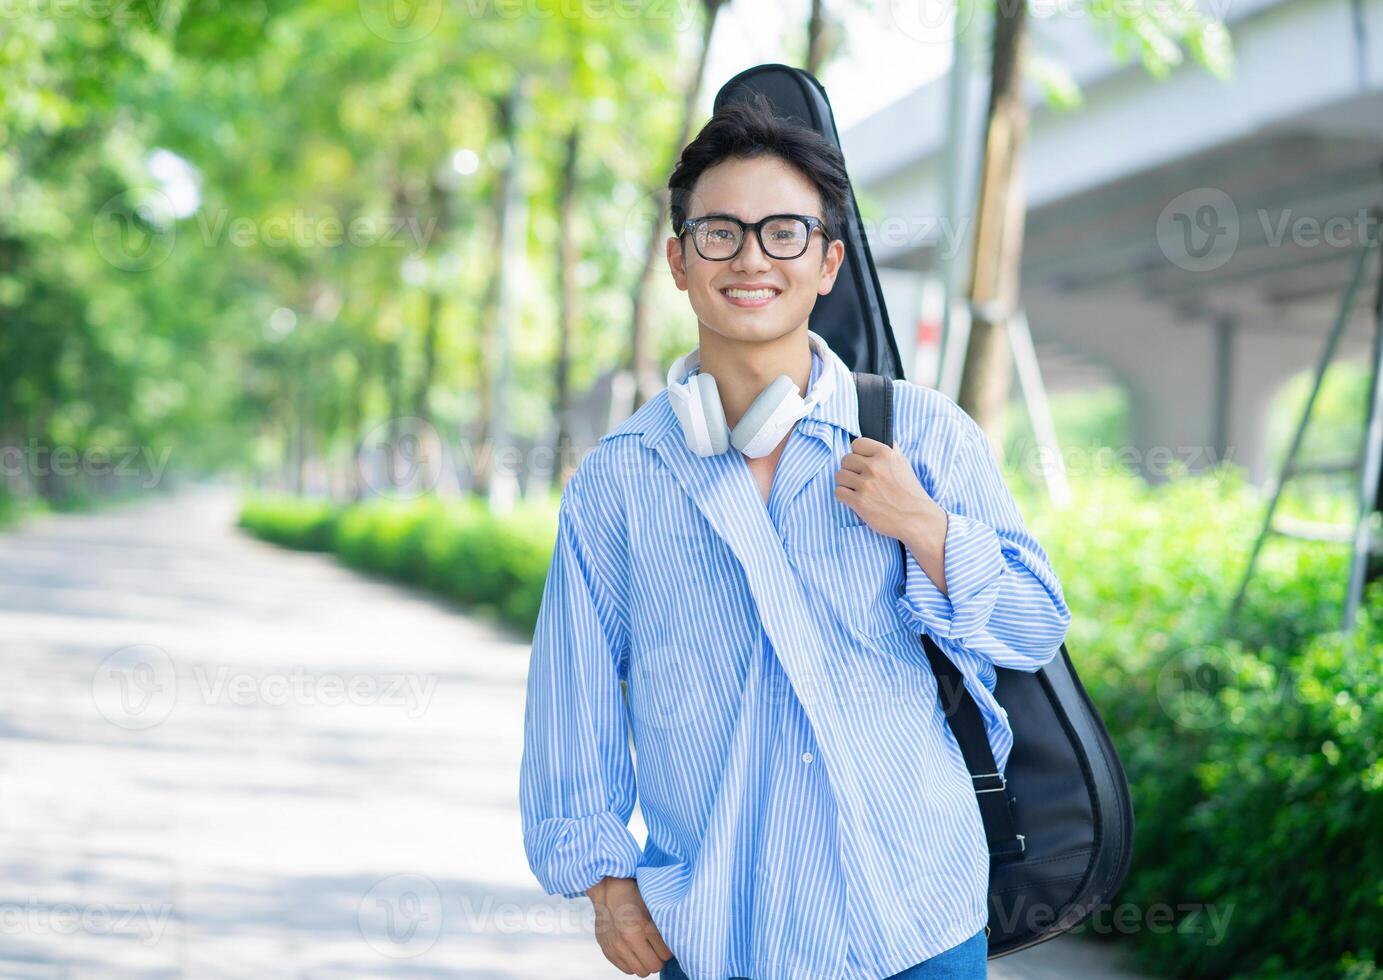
[(809, 814)]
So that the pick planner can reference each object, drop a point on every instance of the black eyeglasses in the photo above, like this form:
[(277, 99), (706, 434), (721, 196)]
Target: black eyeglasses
[(719, 237)]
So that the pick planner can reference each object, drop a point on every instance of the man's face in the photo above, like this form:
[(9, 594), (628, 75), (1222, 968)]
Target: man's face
[(750, 189)]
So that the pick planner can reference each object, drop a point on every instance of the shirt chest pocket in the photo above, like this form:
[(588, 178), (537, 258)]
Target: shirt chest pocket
[(856, 573)]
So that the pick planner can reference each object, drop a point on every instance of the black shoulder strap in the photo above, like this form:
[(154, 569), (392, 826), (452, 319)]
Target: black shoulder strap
[(874, 393), (875, 396)]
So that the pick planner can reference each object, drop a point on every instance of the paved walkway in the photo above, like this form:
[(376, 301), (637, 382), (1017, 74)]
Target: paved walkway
[(222, 759)]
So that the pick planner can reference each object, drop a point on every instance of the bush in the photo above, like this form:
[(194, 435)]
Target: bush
[(1253, 761), (307, 525), (9, 509), (498, 562), (387, 537), (459, 549)]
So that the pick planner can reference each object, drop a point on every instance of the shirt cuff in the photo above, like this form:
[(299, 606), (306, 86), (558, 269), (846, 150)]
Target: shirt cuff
[(572, 854), (974, 564)]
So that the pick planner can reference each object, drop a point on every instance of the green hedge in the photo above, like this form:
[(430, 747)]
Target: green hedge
[(497, 564), (307, 525), (9, 509), (1254, 762)]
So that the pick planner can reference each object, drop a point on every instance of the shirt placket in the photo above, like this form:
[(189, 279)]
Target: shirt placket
[(798, 748)]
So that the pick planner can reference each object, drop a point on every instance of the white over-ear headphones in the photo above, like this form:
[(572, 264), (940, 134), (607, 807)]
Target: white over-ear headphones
[(771, 415)]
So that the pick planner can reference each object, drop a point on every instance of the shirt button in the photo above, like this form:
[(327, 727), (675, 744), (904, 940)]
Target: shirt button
[(806, 757)]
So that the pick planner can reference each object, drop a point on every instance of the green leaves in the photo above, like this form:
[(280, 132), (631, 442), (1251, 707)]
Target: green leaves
[(1254, 761), (1154, 33), (456, 548), (322, 136), (1058, 84)]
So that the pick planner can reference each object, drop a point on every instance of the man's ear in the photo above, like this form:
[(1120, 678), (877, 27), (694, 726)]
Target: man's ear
[(677, 262), (831, 262)]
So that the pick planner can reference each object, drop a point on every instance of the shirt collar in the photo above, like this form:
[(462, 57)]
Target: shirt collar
[(842, 408), (656, 420)]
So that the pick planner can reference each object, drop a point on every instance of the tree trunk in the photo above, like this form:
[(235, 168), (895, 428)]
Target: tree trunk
[(360, 387), (298, 459), (433, 316), (393, 388), (484, 376), (441, 200), (502, 488), (647, 378), (816, 38), (429, 448), (988, 373), (480, 457), (568, 257)]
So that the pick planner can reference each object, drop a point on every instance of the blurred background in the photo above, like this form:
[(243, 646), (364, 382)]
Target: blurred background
[(308, 308)]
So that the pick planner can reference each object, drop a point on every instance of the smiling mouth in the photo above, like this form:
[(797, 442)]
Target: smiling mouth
[(750, 297)]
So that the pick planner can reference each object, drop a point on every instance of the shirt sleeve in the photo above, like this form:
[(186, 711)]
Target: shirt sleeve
[(1003, 601), (576, 781)]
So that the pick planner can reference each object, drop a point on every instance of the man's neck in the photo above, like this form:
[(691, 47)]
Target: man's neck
[(743, 369)]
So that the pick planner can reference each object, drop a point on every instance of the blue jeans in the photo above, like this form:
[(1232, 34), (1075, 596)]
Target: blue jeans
[(963, 962)]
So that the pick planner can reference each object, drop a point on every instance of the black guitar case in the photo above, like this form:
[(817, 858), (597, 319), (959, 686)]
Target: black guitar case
[(1059, 819)]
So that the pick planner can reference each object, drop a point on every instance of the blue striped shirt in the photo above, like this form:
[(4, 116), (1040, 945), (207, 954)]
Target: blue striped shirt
[(809, 813)]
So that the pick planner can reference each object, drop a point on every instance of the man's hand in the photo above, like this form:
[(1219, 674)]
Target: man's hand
[(624, 929), (878, 483)]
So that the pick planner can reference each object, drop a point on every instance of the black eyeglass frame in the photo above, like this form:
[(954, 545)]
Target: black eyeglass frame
[(812, 223)]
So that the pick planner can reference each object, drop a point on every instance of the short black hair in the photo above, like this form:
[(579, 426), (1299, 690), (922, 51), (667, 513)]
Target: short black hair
[(748, 129)]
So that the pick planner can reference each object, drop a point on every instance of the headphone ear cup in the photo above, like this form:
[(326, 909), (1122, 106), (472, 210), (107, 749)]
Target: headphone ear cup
[(704, 385), (760, 410)]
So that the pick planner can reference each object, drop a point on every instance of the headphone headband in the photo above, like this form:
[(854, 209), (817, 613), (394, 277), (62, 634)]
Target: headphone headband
[(825, 382), (768, 418)]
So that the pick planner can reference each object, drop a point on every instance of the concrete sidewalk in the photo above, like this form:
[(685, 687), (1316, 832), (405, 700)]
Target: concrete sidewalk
[(219, 758)]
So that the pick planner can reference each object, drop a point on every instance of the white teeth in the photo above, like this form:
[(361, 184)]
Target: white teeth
[(750, 293)]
